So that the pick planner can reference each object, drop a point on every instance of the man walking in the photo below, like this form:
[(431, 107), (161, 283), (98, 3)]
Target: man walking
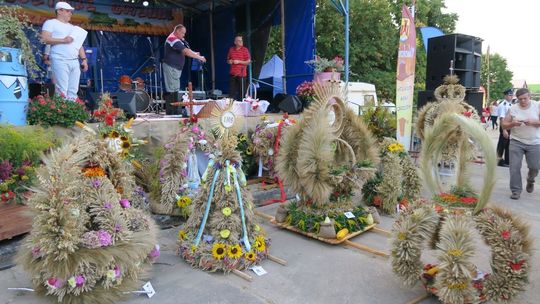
[(504, 135), (524, 120)]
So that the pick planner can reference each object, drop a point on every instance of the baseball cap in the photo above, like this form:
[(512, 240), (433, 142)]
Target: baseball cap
[(63, 5), (508, 92)]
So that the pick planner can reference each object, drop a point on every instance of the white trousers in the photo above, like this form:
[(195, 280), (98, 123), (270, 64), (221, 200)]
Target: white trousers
[(67, 73)]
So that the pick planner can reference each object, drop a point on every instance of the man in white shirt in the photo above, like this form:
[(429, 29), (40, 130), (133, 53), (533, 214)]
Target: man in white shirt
[(504, 135), (64, 55), (524, 120)]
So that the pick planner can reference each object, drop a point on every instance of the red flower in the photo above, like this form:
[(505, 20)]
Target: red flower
[(7, 196), (467, 114), (468, 200), (53, 106), (516, 266), (109, 120), (42, 102), (505, 234)]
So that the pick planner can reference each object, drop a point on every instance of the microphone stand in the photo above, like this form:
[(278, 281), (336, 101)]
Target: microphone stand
[(101, 60), (153, 89)]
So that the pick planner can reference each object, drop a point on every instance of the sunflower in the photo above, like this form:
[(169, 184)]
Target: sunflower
[(183, 201), (114, 134), (193, 248), (124, 138), (243, 137), (249, 150), (234, 252), (182, 235), (105, 135), (218, 251), (250, 256), (126, 145), (260, 243)]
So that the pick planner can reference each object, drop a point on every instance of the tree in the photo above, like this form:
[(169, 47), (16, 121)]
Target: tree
[(499, 76)]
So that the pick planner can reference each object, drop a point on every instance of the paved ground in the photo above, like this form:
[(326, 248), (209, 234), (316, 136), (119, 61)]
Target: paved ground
[(316, 272)]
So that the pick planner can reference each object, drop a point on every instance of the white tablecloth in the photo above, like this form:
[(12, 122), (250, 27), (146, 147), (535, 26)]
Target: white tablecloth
[(242, 107)]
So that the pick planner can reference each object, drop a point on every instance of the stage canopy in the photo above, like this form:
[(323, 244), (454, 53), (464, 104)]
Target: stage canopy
[(128, 37)]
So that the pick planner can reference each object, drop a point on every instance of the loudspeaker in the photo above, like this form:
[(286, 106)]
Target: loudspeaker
[(291, 104), (125, 101), (35, 89), (475, 99), (274, 103), (466, 53), (423, 98)]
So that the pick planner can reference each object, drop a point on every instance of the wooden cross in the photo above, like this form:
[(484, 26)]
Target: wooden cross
[(190, 103)]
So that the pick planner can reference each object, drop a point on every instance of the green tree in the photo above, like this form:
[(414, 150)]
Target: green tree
[(500, 76)]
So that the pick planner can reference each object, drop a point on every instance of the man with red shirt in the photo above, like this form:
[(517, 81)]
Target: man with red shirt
[(238, 57)]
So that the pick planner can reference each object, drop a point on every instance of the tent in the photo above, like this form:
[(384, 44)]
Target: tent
[(271, 75)]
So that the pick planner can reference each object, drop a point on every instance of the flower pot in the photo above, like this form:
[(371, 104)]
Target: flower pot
[(326, 76), (13, 87)]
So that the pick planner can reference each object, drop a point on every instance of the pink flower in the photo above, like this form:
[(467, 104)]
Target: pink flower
[(54, 282), (107, 205), (505, 234), (105, 238), (125, 203), (117, 271), (79, 280), (155, 252)]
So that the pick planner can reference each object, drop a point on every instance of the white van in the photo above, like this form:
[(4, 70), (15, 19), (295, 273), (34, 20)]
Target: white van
[(360, 94)]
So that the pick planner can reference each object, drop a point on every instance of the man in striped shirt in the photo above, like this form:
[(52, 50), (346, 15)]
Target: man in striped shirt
[(238, 57)]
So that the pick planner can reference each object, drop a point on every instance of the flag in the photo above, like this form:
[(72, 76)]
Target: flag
[(405, 77)]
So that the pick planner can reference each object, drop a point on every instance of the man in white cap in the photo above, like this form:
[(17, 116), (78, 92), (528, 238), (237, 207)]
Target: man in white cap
[(64, 55)]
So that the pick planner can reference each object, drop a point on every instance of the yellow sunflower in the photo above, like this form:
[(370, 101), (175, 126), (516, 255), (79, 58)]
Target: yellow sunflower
[(193, 248), (183, 201), (182, 235), (260, 243), (234, 252), (243, 137), (124, 138), (249, 150), (218, 251), (114, 134), (126, 145), (250, 256)]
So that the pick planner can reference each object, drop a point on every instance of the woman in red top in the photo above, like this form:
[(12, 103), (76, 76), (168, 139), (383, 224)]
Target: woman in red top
[(238, 57)]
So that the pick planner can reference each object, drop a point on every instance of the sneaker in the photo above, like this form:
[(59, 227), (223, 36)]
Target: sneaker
[(514, 196), (530, 187)]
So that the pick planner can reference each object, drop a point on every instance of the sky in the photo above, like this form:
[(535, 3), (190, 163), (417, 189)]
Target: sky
[(510, 28)]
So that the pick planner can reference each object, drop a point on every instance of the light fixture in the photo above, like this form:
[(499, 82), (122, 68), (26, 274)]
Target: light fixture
[(145, 3)]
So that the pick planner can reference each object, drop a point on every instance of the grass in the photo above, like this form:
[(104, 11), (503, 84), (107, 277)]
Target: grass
[(534, 88)]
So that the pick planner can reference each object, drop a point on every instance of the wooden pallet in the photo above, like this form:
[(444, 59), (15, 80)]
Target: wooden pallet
[(314, 236), (15, 219)]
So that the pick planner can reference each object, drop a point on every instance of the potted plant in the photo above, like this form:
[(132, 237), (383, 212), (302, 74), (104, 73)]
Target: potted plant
[(306, 93), (326, 69), (16, 58)]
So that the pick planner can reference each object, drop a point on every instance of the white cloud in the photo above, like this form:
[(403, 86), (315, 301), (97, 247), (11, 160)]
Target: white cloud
[(508, 27)]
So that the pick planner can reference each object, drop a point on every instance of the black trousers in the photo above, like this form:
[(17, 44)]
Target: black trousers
[(503, 146), (237, 87), (170, 98)]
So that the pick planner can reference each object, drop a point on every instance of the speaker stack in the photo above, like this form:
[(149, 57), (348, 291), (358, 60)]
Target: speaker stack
[(466, 54)]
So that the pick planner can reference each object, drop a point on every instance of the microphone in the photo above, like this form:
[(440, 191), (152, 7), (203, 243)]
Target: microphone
[(149, 39), (186, 44), (101, 32)]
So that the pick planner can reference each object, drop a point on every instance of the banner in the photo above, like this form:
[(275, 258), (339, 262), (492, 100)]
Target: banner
[(405, 77), (112, 16)]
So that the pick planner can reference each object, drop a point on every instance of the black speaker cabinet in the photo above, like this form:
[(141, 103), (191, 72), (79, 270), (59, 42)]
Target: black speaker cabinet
[(423, 98), (466, 53), (473, 97), (291, 104), (35, 89), (125, 101)]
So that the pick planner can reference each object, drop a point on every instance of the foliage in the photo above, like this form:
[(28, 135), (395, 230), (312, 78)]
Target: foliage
[(321, 64), (274, 43), (380, 121), (20, 153), (12, 34), (374, 38), (309, 219), (500, 76), (55, 111), (246, 149)]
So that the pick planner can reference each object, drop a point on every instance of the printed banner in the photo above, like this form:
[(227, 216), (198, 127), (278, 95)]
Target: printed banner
[(112, 16), (405, 77)]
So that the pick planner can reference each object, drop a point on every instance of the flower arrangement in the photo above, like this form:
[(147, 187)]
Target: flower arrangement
[(19, 155), (106, 112), (397, 181), (96, 245), (56, 111), (321, 64), (457, 197), (14, 26), (380, 121), (305, 92), (247, 151)]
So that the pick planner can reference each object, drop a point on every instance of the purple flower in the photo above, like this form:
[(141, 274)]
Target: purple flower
[(155, 252), (195, 129), (208, 238), (96, 183), (5, 169), (117, 227), (54, 282), (125, 203), (107, 205), (117, 271), (21, 171), (79, 280), (269, 135), (105, 238), (90, 240), (167, 146)]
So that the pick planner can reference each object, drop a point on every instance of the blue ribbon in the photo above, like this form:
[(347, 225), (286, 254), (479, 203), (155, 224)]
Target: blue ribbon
[(242, 214), (207, 210)]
